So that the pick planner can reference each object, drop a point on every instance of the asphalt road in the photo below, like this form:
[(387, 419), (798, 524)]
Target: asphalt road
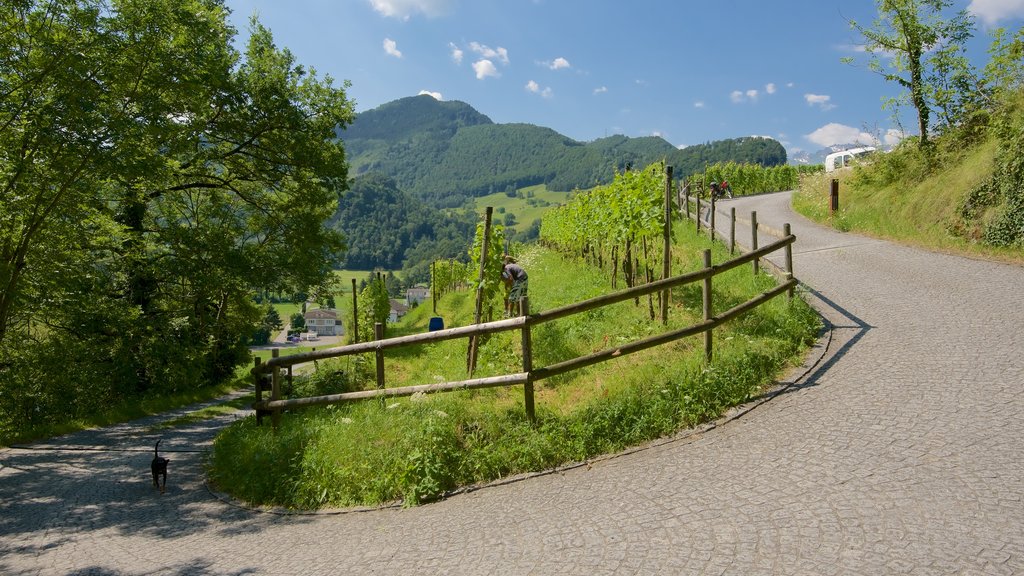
[(898, 449)]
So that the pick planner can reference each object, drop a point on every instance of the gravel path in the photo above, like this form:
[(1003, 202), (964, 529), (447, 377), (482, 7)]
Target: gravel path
[(900, 451)]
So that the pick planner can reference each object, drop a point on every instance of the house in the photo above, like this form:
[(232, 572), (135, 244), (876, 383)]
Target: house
[(397, 311), (417, 294), (323, 322)]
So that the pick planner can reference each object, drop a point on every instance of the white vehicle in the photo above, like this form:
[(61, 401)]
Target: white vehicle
[(837, 160)]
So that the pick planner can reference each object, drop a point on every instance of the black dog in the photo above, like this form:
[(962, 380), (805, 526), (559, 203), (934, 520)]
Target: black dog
[(159, 468)]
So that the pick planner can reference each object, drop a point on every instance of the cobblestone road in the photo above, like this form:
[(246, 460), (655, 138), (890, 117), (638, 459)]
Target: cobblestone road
[(901, 451)]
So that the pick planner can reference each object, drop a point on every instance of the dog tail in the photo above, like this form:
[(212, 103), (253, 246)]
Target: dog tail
[(156, 449)]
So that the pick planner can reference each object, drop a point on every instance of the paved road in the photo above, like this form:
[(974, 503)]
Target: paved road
[(900, 452)]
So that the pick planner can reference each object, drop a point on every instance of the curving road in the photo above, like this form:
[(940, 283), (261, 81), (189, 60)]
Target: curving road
[(898, 450)]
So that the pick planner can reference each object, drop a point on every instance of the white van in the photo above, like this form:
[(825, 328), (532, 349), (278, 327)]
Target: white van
[(837, 160)]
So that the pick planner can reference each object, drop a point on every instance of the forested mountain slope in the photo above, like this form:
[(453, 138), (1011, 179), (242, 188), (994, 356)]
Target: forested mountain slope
[(447, 152)]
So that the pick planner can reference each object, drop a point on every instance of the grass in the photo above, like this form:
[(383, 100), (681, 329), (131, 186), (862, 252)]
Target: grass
[(920, 213), (416, 449), (526, 210)]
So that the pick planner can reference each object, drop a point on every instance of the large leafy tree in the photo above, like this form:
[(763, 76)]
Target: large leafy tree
[(152, 178), (914, 44)]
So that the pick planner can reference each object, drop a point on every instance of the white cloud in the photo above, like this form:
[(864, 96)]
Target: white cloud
[(391, 47), (559, 63), (739, 96), (892, 137), (532, 86), (404, 9), (456, 53), (769, 88), (600, 90), (485, 68), (436, 95), (834, 133), (992, 11), (488, 53), (821, 100), (698, 104)]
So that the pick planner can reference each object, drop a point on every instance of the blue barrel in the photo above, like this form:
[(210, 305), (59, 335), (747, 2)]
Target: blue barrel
[(436, 323)]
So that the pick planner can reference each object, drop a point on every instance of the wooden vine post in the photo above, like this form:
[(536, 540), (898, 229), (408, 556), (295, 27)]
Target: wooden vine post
[(355, 314), (478, 311), (666, 257), (732, 230), (433, 285)]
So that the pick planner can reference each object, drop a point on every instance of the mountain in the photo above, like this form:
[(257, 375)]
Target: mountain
[(444, 153)]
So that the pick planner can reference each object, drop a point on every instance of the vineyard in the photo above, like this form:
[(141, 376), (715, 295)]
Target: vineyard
[(620, 222)]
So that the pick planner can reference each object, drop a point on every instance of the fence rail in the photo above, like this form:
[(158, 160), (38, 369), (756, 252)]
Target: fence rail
[(268, 375)]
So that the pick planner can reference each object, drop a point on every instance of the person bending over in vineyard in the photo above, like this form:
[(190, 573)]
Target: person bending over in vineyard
[(516, 285)]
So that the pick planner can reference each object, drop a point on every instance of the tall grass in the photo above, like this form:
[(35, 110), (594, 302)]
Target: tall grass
[(896, 197), (416, 449)]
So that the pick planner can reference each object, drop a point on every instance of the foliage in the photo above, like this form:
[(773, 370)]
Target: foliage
[(374, 307), (1005, 189), (491, 283), (448, 276), (153, 181), (751, 178), (611, 222), (385, 227), (911, 44)]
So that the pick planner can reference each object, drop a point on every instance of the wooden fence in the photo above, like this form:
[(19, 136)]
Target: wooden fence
[(268, 376)]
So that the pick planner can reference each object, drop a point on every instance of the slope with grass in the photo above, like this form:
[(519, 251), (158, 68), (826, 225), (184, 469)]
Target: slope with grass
[(419, 448), (954, 203)]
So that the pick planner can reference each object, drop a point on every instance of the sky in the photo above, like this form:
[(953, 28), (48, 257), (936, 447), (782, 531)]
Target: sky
[(689, 71)]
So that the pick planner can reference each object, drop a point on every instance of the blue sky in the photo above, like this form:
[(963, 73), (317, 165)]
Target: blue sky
[(688, 71)]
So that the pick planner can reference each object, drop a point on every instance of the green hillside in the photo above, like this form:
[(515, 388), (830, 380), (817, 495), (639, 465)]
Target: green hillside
[(968, 198), (446, 152)]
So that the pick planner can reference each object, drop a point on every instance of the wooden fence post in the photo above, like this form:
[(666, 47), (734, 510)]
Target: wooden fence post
[(478, 311), (528, 364), (753, 240), (666, 257), (433, 287), (833, 198), (732, 230), (697, 215), (711, 220), (355, 314), (707, 306), (275, 390), (789, 258), (378, 333), (686, 196), (258, 382)]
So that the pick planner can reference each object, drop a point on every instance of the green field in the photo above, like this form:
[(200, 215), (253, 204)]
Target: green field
[(345, 277), (526, 209)]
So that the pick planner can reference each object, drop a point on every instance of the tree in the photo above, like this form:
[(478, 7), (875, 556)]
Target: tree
[(906, 42), (152, 180)]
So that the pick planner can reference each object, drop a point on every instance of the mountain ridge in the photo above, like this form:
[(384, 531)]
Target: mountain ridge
[(446, 152)]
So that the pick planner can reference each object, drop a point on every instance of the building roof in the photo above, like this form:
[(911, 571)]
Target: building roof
[(320, 313)]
